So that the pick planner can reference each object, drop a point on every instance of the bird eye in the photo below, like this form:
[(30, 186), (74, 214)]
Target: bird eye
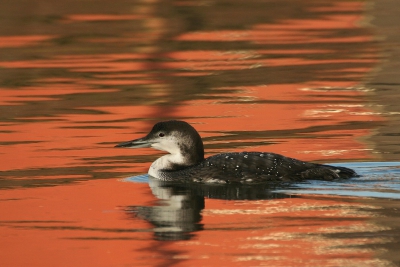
[(161, 134)]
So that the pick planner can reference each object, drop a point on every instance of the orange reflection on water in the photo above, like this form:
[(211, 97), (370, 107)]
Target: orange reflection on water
[(69, 139), (101, 17), (86, 220), (288, 232), (270, 108), (87, 63), (288, 31), (67, 225), (42, 93), (18, 41), (323, 117)]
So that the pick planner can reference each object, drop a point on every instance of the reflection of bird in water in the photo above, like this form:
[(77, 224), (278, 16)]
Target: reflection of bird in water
[(177, 213), (186, 160)]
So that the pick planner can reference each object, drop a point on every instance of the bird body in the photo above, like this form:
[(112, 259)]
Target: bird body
[(185, 161)]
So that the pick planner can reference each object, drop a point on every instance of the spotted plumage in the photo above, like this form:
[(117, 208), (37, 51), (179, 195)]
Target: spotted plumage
[(186, 161)]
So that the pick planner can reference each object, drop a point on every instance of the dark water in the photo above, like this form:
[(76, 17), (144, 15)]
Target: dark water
[(314, 80)]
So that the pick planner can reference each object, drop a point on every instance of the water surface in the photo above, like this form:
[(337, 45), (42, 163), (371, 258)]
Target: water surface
[(306, 79)]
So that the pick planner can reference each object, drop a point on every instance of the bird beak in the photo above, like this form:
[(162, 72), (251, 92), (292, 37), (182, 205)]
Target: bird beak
[(137, 143)]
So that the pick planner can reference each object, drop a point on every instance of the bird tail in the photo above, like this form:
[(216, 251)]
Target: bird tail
[(343, 172)]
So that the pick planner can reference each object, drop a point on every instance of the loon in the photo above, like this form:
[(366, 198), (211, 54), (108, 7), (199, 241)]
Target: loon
[(186, 163)]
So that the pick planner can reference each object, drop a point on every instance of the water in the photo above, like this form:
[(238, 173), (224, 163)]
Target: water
[(310, 80), (377, 180)]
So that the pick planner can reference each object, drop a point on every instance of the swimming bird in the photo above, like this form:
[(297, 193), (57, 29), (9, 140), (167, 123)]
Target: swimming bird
[(186, 163)]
